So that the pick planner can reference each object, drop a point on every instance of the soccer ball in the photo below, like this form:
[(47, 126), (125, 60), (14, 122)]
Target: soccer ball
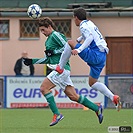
[(34, 11)]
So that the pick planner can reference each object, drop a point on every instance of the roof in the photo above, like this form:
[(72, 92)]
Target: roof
[(65, 7), (60, 3)]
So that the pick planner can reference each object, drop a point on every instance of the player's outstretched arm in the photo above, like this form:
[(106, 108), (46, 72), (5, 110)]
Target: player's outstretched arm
[(49, 53), (28, 62), (40, 60)]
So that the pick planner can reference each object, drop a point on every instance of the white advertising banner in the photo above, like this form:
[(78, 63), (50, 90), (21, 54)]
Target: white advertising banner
[(24, 92)]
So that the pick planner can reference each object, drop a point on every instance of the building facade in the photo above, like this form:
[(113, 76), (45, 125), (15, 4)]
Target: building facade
[(18, 32)]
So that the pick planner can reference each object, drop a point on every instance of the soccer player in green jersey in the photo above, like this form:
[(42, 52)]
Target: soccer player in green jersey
[(55, 44)]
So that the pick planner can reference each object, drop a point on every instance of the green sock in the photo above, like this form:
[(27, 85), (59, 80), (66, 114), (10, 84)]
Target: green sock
[(87, 103), (50, 99)]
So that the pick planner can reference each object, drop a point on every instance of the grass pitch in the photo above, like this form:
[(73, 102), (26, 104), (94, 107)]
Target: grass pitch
[(75, 121)]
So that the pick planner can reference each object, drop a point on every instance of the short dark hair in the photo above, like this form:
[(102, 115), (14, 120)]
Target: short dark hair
[(80, 13), (46, 22)]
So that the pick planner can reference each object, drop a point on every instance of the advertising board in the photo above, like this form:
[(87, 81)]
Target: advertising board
[(24, 92), (122, 86)]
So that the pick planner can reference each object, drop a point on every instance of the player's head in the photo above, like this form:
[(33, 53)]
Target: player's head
[(46, 26), (79, 15)]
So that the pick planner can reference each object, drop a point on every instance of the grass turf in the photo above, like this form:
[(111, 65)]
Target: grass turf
[(75, 121)]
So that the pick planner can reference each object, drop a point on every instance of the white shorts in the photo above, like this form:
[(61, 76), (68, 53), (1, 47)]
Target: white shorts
[(60, 79)]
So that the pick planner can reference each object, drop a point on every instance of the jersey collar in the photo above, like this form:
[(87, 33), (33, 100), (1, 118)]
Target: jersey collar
[(84, 21)]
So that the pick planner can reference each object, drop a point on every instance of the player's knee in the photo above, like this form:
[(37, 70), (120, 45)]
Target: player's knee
[(42, 90), (92, 81), (90, 84), (71, 43)]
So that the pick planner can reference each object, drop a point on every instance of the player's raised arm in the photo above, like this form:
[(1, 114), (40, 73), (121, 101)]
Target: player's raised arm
[(28, 62), (85, 44)]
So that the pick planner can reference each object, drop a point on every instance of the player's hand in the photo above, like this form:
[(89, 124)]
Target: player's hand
[(49, 52), (74, 52), (27, 61)]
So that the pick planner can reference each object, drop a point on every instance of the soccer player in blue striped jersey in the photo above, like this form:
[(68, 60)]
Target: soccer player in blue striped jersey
[(93, 51), (55, 44)]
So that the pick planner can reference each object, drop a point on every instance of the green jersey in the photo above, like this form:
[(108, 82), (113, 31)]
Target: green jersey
[(56, 41)]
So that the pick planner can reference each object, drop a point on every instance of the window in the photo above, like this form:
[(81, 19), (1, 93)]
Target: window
[(4, 29), (63, 26), (29, 29)]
